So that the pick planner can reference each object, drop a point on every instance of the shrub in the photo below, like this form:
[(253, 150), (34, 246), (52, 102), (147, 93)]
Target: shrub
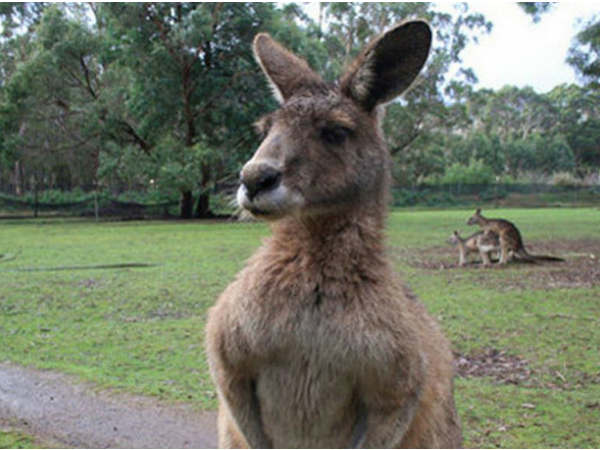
[(475, 173), (565, 179), (440, 199), (56, 197), (406, 197), (492, 193)]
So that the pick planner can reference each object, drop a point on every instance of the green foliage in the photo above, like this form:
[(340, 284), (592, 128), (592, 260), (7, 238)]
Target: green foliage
[(480, 146), (55, 196), (551, 154), (180, 168), (584, 54), (475, 173), (536, 9), (162, 97)]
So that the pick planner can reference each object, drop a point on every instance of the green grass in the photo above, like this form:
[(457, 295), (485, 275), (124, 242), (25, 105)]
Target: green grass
[(142, 329), (16, 439)]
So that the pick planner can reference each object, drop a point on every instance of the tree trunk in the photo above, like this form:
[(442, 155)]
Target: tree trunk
[(35, 198), (203, 206), (186, 205), (19, 179)]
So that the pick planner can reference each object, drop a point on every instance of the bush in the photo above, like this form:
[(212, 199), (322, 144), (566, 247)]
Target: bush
[(440, 199), (492, 193), (57, 197), (405, 197), (475, 173), (565, 179), (151, 197)]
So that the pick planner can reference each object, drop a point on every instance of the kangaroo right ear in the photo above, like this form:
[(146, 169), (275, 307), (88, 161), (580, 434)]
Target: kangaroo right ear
[(478, 211), (285, 71), (388, 65)]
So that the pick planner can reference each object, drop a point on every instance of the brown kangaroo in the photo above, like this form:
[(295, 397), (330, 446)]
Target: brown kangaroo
[(479, 242), (317, 344), (511, 243)]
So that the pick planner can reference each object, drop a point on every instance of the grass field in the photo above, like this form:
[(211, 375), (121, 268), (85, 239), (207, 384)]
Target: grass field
[(528, 336), (15, 439)]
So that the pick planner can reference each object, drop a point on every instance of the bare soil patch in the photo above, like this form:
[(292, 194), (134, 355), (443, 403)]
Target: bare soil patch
[(506, 368), (581, 268), (497, 364)]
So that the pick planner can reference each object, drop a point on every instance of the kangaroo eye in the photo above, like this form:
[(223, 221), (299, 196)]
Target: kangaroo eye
[(335, 135)]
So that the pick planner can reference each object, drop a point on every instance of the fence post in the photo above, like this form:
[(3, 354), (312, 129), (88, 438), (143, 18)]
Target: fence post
[(35, 200), (96, 203)]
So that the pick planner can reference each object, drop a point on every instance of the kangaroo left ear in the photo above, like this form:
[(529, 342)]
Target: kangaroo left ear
[(388, 65), (285, 71)]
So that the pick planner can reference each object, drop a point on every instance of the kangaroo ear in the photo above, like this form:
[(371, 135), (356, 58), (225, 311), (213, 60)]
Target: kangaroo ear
[(284, 70), (388, 65), (478, 211)]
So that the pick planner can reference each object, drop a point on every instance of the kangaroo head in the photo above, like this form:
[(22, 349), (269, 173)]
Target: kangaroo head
[(323, 149), (454, 238), (475, 218)]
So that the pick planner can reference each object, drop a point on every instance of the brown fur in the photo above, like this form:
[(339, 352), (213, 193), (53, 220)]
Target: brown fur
[(479, 242), (317, 343), (511, 242)]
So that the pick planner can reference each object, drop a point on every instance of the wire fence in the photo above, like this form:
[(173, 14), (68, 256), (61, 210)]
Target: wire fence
[(508, 194), (104, 205), (90, 204)]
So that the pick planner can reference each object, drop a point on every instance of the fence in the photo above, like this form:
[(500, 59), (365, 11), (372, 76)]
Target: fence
[(92, 204), (439, 195), (509, 194)]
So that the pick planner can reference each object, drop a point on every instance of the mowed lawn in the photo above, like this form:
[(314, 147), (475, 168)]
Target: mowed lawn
[(528, 336)]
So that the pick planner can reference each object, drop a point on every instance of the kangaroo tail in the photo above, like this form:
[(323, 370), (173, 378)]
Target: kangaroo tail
[(547, 258), (529, 257)]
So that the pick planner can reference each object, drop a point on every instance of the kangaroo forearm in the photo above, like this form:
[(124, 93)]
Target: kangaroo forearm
[(245, 410), (386, 430)]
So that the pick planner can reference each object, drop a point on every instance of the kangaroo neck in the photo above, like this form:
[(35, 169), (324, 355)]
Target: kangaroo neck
[(483, 221), (354, 236)]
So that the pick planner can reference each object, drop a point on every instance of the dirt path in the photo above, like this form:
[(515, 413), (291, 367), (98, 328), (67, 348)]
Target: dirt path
[(57, 409)]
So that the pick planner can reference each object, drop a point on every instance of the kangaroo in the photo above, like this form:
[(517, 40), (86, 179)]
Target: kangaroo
[(479, 242), (317, 343), (511, 243)]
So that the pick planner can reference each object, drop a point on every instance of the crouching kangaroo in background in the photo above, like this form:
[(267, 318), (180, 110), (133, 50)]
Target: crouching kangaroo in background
[(479, 242), (511, 243), (317, 343)]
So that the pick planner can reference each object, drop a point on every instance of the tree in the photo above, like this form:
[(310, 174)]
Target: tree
[(584, 54), (193, 87), (434, 103), (536, 9), (482, 147), (578, 120), (46, 101), (175, 82), (549, 154)]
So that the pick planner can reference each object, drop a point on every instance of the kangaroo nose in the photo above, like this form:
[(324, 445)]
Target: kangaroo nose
[(259, 177)]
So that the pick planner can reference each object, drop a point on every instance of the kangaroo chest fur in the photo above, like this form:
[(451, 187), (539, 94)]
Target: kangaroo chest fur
[(311, 327), (306, 383)]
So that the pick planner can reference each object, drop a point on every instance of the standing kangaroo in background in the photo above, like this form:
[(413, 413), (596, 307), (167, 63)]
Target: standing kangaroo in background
[(317, 343), (511, 243), (480, 242)]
